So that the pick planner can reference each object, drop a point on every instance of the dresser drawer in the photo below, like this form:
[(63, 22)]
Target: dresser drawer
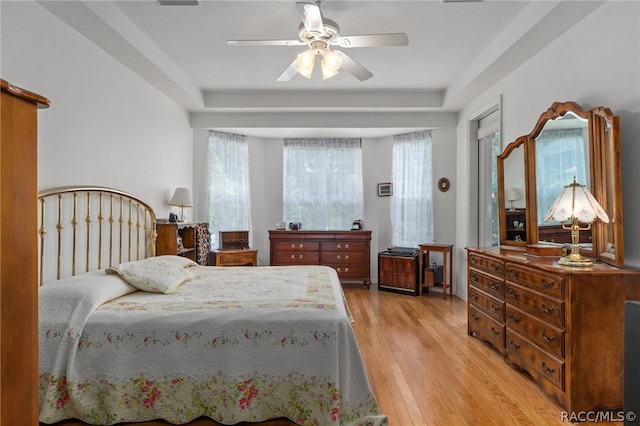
[(536, 361), (542, 307), (341, 258), (487, 264), (547, 336), (353, 246), (485, 328), (289, 246), (297, 258), (346, 271), (543, 282), (490, 305), (488, 283)]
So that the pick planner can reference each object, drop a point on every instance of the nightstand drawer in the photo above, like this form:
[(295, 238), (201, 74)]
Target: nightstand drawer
[(236, 257)]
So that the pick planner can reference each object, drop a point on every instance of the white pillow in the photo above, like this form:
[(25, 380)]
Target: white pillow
[(179, 260), (154, 274)]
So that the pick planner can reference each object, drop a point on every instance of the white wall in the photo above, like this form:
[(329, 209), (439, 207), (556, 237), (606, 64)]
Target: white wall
[(105, 126), (265, 158), (595, 63)]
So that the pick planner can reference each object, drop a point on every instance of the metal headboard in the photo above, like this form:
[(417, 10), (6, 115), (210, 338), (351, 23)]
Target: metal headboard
[(84, 228)]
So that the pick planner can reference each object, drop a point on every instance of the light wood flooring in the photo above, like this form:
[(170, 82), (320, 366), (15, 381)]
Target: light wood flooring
[(425, 370)]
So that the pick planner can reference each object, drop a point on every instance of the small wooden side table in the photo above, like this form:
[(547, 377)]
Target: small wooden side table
[(240, 257), (447, 265)]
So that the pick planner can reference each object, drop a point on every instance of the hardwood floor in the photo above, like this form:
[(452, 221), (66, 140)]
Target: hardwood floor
[(425, 370)]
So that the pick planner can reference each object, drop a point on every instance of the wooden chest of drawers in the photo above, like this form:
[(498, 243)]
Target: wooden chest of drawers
[(563, 325), (348, 252)]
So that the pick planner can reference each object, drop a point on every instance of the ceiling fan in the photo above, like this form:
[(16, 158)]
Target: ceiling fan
[(320, 34)]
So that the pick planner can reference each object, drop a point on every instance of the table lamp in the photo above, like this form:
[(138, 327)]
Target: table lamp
[(513, 194), (575, 204), (181, 198)]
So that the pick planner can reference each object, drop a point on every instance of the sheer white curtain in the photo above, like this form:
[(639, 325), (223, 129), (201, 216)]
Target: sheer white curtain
[(322, 182), (227, 197), (412, 200), (561, 155)]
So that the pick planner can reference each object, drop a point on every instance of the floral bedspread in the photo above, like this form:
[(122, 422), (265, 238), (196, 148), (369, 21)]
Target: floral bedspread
[(236, 344)]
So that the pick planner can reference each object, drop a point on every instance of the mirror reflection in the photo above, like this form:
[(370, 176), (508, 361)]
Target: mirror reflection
[(515, 200), (561, 154)]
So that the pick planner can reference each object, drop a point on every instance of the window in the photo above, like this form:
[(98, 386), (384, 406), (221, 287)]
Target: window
[(411, 203), (227, 198), (488, 151), (560, 156), (322, 183)]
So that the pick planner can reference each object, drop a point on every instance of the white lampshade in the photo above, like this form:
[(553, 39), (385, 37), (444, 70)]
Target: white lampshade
[(181, 198), (513, 194), (575, 201)]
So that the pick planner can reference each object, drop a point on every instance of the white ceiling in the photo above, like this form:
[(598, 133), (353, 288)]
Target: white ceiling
[(457, 50)]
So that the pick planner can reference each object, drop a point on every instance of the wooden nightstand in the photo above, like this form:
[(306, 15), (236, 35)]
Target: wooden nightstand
[(242, 257)]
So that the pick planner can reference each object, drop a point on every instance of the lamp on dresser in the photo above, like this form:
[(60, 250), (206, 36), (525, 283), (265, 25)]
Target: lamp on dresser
[(575, 204), (513, 194), (181, 198)]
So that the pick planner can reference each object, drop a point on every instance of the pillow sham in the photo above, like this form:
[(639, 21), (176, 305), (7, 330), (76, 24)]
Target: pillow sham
[(154, 274), (179, 260)]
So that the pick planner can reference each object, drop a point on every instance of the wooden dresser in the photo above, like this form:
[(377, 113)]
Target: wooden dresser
[(563, 325), (19, 261), (348, 252)]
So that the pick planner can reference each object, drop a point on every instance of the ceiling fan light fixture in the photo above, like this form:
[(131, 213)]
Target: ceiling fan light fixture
[(305, 62), (331, 63)]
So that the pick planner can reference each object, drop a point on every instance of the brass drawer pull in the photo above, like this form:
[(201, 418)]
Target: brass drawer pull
[(339, 257), (299, 246), (494, 286), (300, 256), (547, 284), (514, 345), (340, 246), (345, 270), (495, 332), (546, 338), (513, 294), (474, 278), (547, 310), (515, 319), (474, 296), (495, 267), (547, 370), (496, 308), (474, 316), (512, 273), (474, 260)]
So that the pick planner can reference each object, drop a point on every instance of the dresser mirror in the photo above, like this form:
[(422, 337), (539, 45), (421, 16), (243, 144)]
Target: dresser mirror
[(512, 207), (566, 142)]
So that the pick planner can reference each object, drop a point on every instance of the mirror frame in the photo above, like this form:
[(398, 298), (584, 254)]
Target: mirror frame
[(521, 142), (605, 179)]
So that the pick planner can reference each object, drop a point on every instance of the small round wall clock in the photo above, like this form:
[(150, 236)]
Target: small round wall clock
[(443, 184)]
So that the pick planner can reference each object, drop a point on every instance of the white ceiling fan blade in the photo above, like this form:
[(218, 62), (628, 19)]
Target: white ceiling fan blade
[(265, 43), (289, 73), (373, 40), (312, 17), (354, 68)]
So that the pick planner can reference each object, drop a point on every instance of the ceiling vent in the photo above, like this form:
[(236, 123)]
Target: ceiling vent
[(178, 2)]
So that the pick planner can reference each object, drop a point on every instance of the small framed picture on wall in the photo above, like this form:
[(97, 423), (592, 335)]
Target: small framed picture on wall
[(385, 190)]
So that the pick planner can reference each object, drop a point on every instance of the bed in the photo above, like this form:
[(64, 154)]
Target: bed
[(126, 336)]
